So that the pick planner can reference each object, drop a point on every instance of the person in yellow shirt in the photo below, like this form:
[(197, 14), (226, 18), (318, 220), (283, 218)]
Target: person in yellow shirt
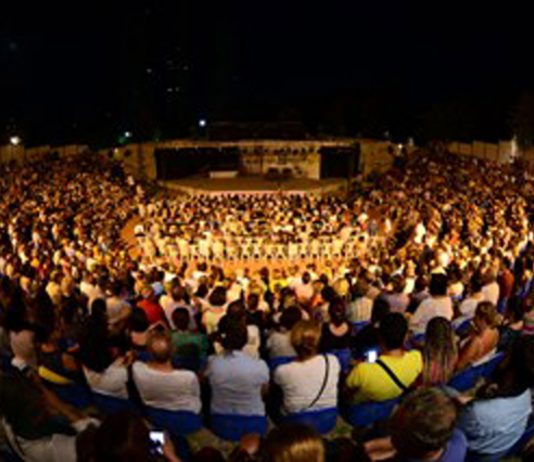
[(393, 372)]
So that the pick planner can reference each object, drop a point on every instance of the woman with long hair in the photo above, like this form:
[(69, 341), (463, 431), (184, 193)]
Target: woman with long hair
[(483, 338), (440, 353)]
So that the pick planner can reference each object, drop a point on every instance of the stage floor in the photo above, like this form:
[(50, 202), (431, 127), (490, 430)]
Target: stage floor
[(254, 185)]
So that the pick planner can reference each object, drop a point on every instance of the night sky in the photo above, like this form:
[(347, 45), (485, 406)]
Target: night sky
[(86, 72)]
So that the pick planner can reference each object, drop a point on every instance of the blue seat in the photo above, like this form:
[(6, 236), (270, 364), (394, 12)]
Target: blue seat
[(179, 423), (358, 326), (322, 420), (279, 361), (518, 447), (111, 405), (344, 356), (464, 327), (144, 356), (8, 455), (233, 427), (415, 341), (467, 379), (74, 394), (366, 414), (5, 360)]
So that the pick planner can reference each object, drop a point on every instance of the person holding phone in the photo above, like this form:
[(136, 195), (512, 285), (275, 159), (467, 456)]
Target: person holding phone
[(125, 437), (393, 372)]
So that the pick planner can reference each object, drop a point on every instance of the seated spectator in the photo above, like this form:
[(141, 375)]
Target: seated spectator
[(255, 316), (440, 353), (123, 437), (303, 289), (161, 386), (368, 338), (398, 300), (512, 326), (236, 311), (490, 288), (422, 429), (295, 443), (310, 382), (176, 299), (361, 306), (215, 311), (56, 365), (42, 426), (336, 334), (192, 347), (394, 371), (469, 304), (118, 309), (236, 380), (154, 312), (420, 293), (438, 304), (483, 338), (456, 286), (279, 340), (497, 417), (138, 328), (105, 373)]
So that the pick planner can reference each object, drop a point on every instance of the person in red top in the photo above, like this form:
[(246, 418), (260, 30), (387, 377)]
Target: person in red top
[(154, 311)]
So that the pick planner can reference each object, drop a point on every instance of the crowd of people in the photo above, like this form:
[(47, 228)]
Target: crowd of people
[(240, 314)]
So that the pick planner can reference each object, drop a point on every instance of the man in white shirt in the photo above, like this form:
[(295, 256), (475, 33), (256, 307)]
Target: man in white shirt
[(161, 386)]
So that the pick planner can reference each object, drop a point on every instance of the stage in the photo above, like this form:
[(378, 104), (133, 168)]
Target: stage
[(254, 185)]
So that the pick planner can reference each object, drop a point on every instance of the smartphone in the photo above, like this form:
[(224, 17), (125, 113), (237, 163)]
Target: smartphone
[(371, 356), (157, 440)]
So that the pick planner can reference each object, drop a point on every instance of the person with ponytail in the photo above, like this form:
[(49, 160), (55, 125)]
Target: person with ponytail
[(310, 382)]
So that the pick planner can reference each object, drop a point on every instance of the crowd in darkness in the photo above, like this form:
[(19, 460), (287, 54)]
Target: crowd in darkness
[(258, 320)]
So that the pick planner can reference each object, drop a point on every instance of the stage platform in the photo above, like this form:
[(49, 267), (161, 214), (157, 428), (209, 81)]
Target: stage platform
[(254, 185)]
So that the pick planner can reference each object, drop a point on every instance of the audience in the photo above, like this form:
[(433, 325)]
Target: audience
[(274, 276)]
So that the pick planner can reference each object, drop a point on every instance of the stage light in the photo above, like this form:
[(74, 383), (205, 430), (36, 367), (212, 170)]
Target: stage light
[(127, 134), (15, 140), (202, 123)]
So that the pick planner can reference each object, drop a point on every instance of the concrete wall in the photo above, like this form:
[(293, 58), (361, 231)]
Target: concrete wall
[(257, 155), (495, 152)]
